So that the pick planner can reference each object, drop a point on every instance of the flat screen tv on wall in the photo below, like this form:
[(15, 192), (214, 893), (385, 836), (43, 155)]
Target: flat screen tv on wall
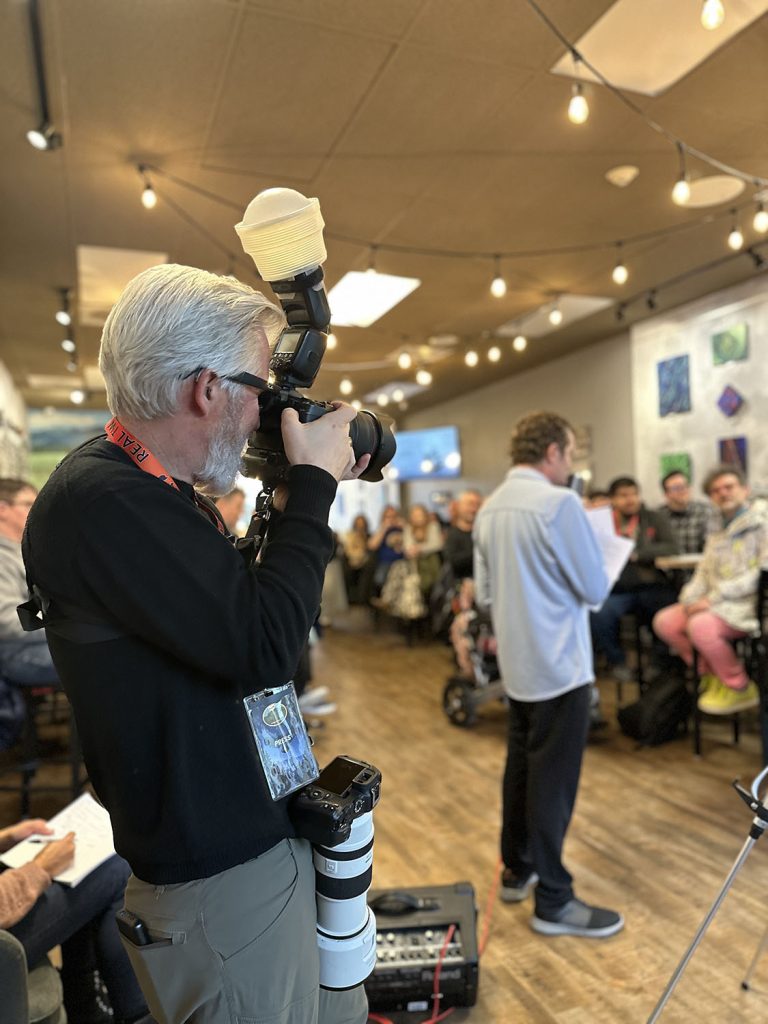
[(433, 452)]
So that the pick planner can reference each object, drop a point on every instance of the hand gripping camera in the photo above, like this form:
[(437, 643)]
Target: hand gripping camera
[(282, 231)]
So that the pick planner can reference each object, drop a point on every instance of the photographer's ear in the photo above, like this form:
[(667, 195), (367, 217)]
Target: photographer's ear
[(204, 393)]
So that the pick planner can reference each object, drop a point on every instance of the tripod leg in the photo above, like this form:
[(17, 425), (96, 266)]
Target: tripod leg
[(761, 946), (737, 864)]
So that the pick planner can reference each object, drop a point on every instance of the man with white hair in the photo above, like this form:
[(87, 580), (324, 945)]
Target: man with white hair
[(159, 630)]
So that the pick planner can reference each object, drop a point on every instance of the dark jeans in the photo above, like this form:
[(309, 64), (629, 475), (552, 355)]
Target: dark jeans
[(82, 920), (605, 623), (28, 664), (544, 749)]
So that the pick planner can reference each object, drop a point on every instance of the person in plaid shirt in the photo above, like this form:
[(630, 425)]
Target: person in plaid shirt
[(691, 521)]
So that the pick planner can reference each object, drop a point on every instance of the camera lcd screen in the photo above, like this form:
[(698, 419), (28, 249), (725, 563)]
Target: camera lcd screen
[(338, 776), (289, 341)]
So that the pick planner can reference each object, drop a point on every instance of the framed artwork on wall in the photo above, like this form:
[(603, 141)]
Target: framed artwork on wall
[(733, 452), (730, 401), (674, 385), (679, 462), (731, 346)]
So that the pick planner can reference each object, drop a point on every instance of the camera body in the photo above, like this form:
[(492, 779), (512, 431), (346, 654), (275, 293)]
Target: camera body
[(295, 362), (323, 811)]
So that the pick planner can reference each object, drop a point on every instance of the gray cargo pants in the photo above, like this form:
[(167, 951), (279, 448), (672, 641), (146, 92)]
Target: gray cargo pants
[(238, 948)]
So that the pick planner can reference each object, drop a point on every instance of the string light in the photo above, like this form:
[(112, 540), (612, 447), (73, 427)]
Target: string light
[(494, 353), (681, 192), (498, 284), (148, 196), (346, 386), (471, 358), (712, 14), (760, 221), (556, 315), (520, 343), (735, 238), (331, 342), (63, 315), (68, 345), (423, 378), (620, 272), (404, 361)]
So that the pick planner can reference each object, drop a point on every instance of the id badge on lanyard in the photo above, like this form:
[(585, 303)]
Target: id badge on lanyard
[(282, 741)]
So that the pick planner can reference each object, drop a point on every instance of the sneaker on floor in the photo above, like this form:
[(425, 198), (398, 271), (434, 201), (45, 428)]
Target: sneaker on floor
[(722, 700), (515, 889), (316, 695), (578, 918)]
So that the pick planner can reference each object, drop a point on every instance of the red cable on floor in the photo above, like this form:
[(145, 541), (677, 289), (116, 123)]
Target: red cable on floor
[(436, 986), (492, 893)]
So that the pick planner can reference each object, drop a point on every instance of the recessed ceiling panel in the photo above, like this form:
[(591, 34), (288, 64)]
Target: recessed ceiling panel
[(102, 274)]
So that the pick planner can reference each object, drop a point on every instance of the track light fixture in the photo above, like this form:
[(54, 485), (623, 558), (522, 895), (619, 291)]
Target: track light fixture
[(77, 397), (651, 300), (404, 361), (44, 136), (757, 258), (498, 284), (620, 312), (681, 192), (68, 345), (148, 196), (63, 316), (620, 272)]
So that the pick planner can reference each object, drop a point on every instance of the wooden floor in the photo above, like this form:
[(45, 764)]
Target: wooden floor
[(654, 835)]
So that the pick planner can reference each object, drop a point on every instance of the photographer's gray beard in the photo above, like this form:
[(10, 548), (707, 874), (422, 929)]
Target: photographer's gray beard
[(224, 459)]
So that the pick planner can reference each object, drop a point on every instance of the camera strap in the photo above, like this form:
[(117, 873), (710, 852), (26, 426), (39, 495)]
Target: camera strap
[(142, 457)]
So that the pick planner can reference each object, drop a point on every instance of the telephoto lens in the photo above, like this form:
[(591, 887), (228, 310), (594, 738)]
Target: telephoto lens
[(346, 927)]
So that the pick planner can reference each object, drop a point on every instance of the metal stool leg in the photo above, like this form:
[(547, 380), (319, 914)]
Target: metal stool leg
[(761, 947)]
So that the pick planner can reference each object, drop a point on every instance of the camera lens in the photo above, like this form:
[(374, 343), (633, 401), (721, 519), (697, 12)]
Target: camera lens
[(371, 433)]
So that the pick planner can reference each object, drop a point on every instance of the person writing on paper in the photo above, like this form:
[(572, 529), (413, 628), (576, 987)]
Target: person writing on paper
[(42, 914), (160, 630), (539, 568)]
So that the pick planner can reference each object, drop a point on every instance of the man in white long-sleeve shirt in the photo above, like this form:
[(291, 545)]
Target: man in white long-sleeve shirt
[(538, 566)]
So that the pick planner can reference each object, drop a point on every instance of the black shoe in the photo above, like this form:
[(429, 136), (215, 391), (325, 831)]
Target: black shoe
[(515, 889), (578, 918)]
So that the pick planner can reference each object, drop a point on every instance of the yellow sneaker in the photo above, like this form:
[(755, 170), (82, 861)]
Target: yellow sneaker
[(708, 684), (722, 700)]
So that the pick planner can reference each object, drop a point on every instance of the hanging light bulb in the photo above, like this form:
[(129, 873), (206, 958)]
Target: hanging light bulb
[(357, 404), (331, 342), (383, 399), (712, 14), (77, 397), (494, 353), (520, 343), (346, 386), (148, 196), (556, 315), (735, 238), (471, 358), (760, 220), (68, 345), (63, 315), (498, 284), (398, 395), (620, 273), (578, 108), (423, 378), (681, 191), (404, 361)]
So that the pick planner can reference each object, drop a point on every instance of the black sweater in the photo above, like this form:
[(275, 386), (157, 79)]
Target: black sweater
[(159, 710)]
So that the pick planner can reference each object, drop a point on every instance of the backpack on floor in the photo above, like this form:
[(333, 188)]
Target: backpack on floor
[(659, 715)]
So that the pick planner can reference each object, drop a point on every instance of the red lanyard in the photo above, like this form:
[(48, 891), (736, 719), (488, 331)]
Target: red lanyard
[(144, 459)]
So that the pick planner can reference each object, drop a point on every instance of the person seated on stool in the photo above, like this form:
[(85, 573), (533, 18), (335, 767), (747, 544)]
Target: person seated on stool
[(641, 588), (24, 657), (718, 605), (42, 914)]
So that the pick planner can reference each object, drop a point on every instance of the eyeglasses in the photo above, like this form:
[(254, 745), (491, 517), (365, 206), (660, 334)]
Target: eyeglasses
[(250, 380)]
